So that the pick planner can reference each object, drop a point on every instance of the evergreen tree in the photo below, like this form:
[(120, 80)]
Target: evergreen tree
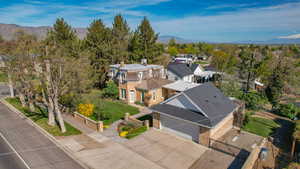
[(143, 43), (98, 43), (120, 41), (62, 36)]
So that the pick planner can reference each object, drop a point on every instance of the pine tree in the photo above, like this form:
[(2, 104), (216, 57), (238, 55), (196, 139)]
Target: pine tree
[(120, 35), (98, 43), (143, 43), (64, 37)]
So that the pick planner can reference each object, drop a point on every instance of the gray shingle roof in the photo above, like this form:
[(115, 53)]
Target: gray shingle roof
[(211, 101), (182, 114), (179, 69)]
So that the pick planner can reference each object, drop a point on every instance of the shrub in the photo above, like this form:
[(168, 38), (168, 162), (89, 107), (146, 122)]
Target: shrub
[(111, 90), (135, 132), (247, 117), (287, 110), (253, 100), (86, 109), (123, 133)]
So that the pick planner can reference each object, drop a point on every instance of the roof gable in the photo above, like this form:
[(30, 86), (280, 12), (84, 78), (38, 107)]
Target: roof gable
[(211, 101)]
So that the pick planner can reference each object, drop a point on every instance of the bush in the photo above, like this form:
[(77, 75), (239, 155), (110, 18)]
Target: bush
[(253, 100), (135, 132), (86, 109), (287, 110), (111, 90), (247, 117)]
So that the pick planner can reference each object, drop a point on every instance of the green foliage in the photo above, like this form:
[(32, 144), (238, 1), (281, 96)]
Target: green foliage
[(143, 43), (135, 132), (287, 110), (98, 43), (64, 38), (253, 100), (120, 39), (40, 118), (3, 76), (111, 90), (172, 50), (231, 89), (260, 126)]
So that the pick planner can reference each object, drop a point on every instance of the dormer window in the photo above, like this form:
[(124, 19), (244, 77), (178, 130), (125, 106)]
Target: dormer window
[(150, 73)]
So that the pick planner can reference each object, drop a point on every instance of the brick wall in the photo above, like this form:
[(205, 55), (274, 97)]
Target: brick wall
[(156, 120), (224, 126), (204, 136)]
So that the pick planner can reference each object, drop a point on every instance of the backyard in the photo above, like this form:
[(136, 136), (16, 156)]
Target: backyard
[(260, 126), (40, 118)]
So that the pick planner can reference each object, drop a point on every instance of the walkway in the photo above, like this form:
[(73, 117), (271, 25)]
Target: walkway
[(37, 150)]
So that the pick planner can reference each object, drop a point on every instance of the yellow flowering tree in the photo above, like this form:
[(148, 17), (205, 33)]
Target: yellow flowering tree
[(86, 109)]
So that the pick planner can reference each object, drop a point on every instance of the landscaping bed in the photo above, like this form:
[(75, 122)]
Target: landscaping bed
[(260, 126), (130, 130), (40, 118)]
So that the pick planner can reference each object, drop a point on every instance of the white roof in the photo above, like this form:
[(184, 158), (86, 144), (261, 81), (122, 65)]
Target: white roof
[(258, 83), (133, 67), (180, 85)]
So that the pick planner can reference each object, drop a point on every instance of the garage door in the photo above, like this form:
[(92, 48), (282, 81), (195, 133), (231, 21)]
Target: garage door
[(180, 128)]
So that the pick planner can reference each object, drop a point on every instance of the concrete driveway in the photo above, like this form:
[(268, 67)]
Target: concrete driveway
[(228, 152), (165, 149)]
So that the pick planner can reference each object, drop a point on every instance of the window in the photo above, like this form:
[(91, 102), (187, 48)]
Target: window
[(123, 93), (154, 95), (142, 96), (140, 75)]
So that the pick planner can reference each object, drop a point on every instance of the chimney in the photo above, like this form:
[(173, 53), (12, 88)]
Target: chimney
[(144, 62)]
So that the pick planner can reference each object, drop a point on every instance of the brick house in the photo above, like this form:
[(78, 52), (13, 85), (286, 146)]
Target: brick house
[(139, 82), (200, 114)]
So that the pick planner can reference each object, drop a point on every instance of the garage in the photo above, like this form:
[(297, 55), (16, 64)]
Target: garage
[(179, 127)]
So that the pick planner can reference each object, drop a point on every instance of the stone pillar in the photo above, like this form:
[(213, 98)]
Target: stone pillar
[(100, 126), (204, 136), (126, 118), (156, 120), (146, 123)]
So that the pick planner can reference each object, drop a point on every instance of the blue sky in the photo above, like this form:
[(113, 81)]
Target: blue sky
[(207, 20)]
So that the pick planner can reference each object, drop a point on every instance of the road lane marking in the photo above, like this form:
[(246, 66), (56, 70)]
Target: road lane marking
[(1, 135)]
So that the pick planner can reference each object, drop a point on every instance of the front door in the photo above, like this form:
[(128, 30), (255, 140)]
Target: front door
[(131, 96)]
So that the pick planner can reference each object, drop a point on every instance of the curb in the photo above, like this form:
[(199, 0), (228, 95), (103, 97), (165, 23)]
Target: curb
[(44, 132)]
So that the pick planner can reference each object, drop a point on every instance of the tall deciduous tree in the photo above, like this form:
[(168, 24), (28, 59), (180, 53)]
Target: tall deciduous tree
[(98, 43), (143, 43), (120, 39)]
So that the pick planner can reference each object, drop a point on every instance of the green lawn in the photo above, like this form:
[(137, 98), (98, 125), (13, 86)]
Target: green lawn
[(40, 118), (115, 110), (260, 126), (3, 77)]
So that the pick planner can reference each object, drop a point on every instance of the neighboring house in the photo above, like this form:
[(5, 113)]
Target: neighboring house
[(180, 71), (190, 72), (201, 114), (176, 87), (139, 82), (205, 74)]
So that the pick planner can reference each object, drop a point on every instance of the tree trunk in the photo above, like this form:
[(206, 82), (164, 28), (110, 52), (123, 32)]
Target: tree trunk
[(10, 85), (31, 106), (59, 116), (51, 116), (22, 99), (49, 101)]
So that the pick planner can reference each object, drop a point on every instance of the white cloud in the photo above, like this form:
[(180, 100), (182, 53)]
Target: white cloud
[(245, 22), (295, 36)]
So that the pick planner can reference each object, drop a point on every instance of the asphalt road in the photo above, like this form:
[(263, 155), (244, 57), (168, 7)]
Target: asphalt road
[(37, 151), (8, 158)]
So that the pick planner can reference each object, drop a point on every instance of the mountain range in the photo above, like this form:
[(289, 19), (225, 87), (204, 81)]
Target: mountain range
[(7, 31)]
